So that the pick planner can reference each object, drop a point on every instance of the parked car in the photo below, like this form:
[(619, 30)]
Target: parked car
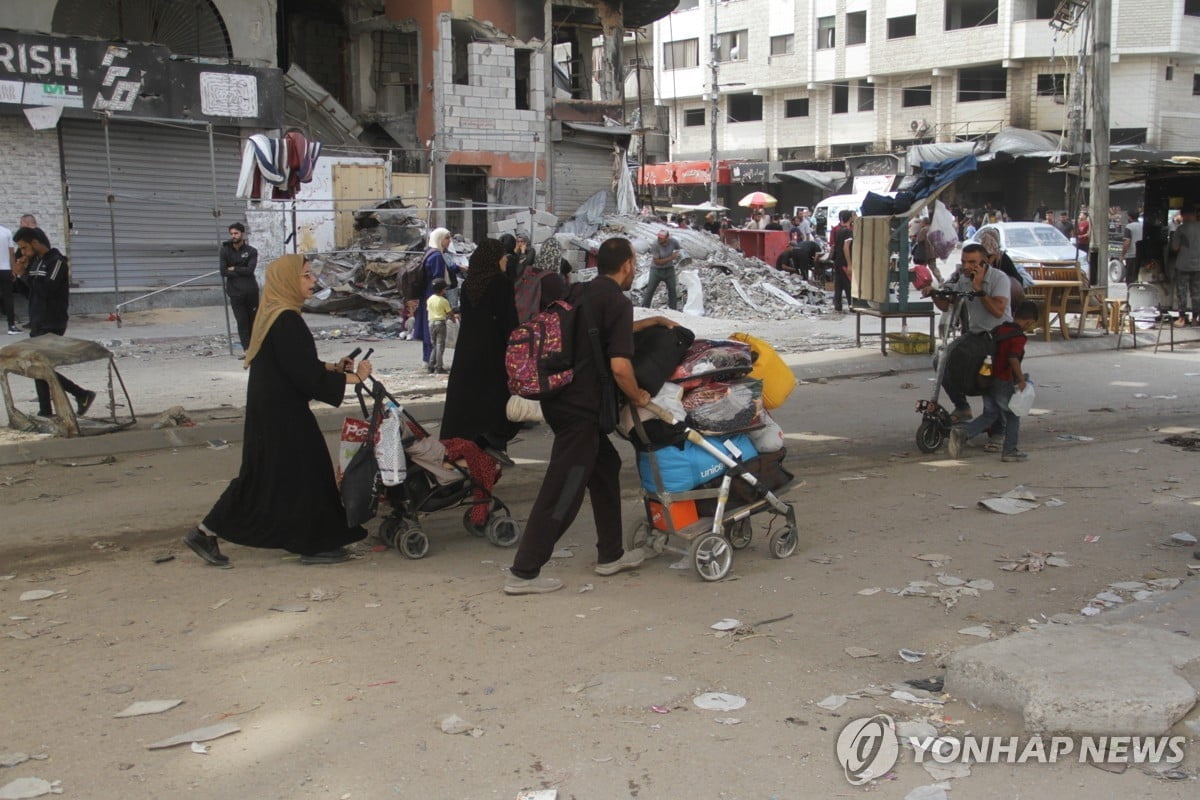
[(1034, 242)]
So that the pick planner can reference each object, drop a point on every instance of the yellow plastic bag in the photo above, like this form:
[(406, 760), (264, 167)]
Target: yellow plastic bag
[(777, 378)]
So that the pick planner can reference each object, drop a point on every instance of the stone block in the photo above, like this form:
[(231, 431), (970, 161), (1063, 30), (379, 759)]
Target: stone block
[(1082, 679), (505, 226), (545, 218)]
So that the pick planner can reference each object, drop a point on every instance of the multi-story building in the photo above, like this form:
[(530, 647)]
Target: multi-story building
[(808, 83)]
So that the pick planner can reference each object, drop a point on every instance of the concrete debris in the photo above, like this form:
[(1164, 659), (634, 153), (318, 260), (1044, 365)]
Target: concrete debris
[(24, 788), (205, 734)]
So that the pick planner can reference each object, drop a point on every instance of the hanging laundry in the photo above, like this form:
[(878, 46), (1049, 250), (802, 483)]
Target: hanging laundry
[(280, 163)]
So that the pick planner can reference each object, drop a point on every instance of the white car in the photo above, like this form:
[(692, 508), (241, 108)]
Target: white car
[(1034, 242)]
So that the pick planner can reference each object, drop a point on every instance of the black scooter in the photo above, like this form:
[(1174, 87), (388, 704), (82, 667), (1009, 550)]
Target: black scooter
[(935, 420)]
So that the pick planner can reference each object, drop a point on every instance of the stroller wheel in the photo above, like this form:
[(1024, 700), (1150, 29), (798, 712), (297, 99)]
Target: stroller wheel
[(783, 542), (711, 556), (413, 543), (739, 533), (471, 527), (503, 531), (930, 436), (389, 528)]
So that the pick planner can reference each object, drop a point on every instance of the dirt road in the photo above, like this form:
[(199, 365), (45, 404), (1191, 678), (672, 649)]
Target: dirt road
[(589, 690)]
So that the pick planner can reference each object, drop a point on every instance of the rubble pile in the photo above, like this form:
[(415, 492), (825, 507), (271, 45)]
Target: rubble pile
[(735, 286)]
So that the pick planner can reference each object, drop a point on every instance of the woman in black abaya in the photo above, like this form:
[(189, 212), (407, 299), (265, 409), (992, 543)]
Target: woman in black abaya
[(285, 495), (477, 392)]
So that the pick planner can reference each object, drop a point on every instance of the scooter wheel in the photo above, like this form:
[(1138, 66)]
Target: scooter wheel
[(930, 436)]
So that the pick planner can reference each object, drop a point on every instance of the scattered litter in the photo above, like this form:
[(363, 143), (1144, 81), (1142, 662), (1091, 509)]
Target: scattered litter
[(982, 584), (1074, 437), (955, 507), (909, 697), (1008, 505), (1089, 611), (1164, 583), (1165, 397), (727, 624), (1127, 586), (1133, 451), (915, 729), (950, 580), (718, 701), (144, 707), (941, 772), (38, 594), (799, 723), (911, 656), (860, 652), (935, 684), (164, 558), (200, 749), (13, 759), (914, 588), (869, 591), (727, 721), (319, 595), (90, 462), (1108, 598), (587, 587), (1091, 538), (833, 702), (219, 603), (205, 734), (538, 794), (292, 608), (934, 791), (454, 725), (934, 559), (1032, 561), (563, 553), (821, 560), (982, 631), (25, 788), (1054, 502), (173, 417), (119, 688), (660, 709), (372, 605), (1183, 537), (217, 444)]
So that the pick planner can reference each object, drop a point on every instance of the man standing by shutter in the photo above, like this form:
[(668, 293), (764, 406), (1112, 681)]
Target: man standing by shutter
[(44, 275), (6, 281), (238, 262)]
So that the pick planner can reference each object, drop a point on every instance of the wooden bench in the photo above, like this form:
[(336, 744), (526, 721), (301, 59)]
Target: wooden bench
[(1061, 288)]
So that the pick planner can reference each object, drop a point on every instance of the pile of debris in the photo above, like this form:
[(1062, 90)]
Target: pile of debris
[(735, 286)]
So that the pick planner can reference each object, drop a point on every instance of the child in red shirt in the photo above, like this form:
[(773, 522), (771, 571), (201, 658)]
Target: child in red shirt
[(1007, 377)]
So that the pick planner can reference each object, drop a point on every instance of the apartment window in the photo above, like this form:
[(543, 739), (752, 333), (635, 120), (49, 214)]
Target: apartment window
[(826, 33), (693, 117), (971, 13), (866, 96), (841, 98), (902, 27), (856, 28), (916, 96), (731, 46), (1170, 73), (1191, 8), (522, 77), (1052, 85), (1196, 84), (783, 45), (744, 107), (682, 54), (982, 83), (797, 107)]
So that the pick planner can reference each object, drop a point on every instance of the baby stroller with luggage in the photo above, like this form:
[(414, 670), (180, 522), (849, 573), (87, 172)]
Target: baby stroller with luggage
[(713, 521), (436, 482)]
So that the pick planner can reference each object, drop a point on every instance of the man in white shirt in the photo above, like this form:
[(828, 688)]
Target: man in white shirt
[(6, 281)]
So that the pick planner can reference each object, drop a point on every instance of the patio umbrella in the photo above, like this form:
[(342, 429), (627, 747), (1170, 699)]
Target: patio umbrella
[(757, 199)]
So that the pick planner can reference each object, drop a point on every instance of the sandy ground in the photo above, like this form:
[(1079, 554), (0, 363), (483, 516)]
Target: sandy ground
[(344, 699)]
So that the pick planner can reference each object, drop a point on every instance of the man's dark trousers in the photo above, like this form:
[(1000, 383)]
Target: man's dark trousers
[(581, 459), (6, 297), (45, 407), (243, 299)]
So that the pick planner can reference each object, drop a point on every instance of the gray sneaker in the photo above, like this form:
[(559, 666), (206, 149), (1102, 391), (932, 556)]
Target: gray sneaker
[(954, 445), (632, 559), (538, 585), (1014, 455)]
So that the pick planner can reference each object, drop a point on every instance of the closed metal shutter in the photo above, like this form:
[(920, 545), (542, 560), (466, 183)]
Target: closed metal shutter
[(581, 170), (162, 182)]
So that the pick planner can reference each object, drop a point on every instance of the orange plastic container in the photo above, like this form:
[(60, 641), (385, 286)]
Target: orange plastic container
[(683, 513)]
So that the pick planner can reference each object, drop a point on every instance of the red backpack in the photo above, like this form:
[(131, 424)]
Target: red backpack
[(539, 358)]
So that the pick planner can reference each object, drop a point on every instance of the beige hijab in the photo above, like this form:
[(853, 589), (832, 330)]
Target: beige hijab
[(282, 293)]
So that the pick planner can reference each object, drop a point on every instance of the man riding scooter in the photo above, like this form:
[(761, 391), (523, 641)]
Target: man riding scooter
[(986, 310)]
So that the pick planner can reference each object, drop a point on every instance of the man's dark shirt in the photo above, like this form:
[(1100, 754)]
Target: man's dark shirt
[(244, 261), (839, 245), (47, 282), (612, 312), (801, 256)]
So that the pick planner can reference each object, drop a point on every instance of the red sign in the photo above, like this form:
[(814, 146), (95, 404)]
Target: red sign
[(679, 173)]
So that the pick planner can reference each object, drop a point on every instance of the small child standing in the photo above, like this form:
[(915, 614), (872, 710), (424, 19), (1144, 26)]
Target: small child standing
[(438, 310), (1007, 378)]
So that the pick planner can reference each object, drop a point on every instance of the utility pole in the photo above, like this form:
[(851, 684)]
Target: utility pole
[(1098, 174), (713, 57)]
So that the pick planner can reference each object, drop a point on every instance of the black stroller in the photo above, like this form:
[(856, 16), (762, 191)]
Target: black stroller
[(421, 492)]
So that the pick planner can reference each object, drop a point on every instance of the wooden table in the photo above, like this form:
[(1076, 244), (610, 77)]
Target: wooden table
[(1053, 299), (883, 317)]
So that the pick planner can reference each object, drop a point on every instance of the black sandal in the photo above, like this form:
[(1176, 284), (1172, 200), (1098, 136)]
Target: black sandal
[(206, 547)]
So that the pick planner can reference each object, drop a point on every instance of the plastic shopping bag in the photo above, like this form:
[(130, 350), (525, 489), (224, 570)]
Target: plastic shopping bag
[(354, 434), (1021, 402), (943, 235), (389, 450)]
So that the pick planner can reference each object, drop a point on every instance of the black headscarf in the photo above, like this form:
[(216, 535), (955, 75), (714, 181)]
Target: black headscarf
[(485, 266)]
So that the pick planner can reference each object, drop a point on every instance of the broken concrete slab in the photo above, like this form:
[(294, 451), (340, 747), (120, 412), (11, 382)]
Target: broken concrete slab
[(1084, 679)]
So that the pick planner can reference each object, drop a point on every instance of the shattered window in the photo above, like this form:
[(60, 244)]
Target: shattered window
[(745, 107), (522, 81), (461, 74)]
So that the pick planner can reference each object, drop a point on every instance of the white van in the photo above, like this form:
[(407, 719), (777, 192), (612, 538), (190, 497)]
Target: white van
[(825, 216)]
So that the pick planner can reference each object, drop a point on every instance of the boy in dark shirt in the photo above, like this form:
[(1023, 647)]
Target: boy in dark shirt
[(843, 238), (1007, 377)]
